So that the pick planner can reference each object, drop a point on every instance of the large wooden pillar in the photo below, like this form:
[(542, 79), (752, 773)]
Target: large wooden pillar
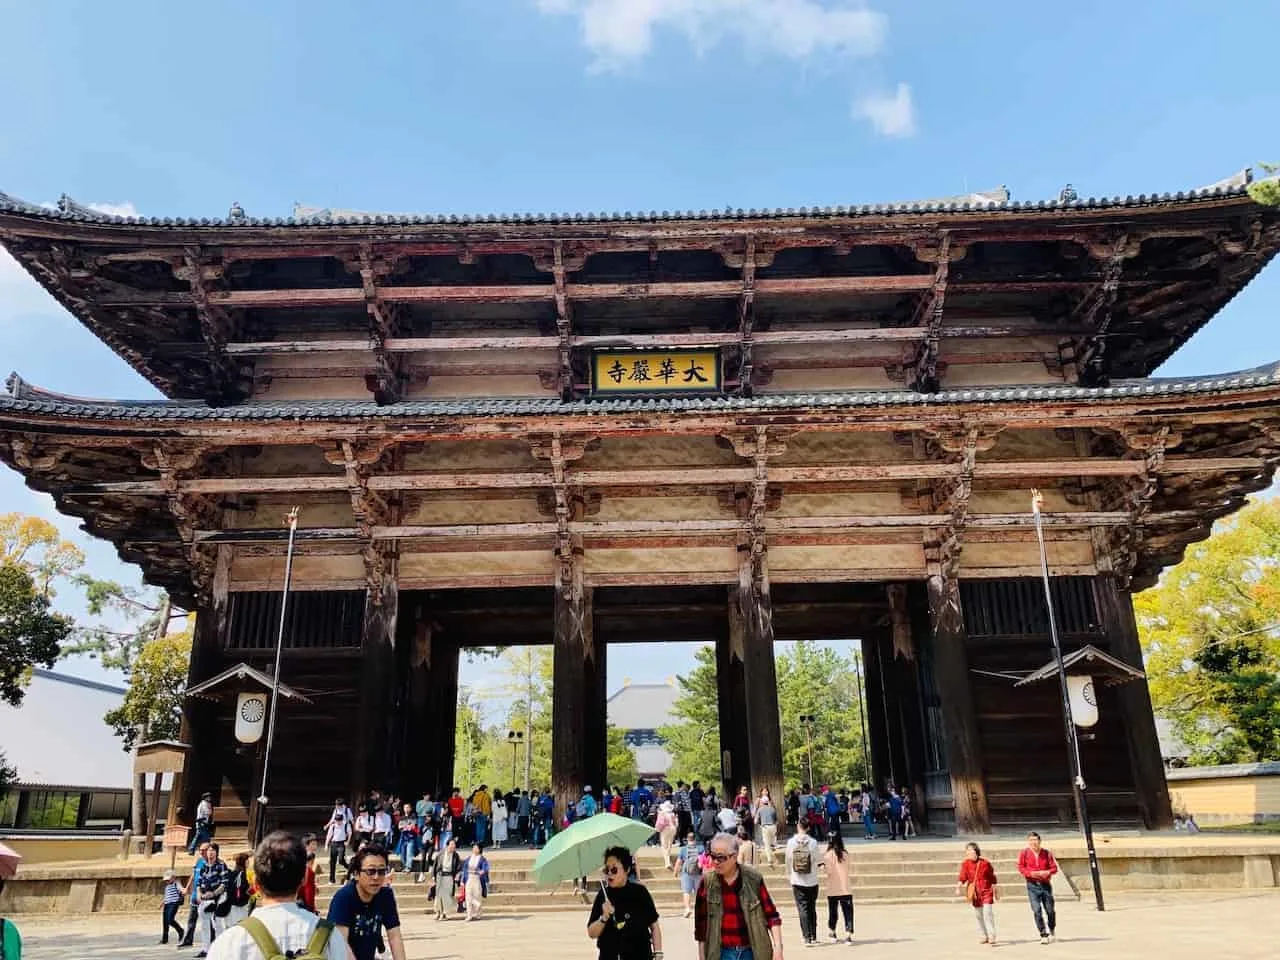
[(201, 772), (951, 666), (578, 712), (877, 711), (442, 730), (751, 623), (1115, 609), (731, 700), (375, 724)]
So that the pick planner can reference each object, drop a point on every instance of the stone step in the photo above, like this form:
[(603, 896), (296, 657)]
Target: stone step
[(666, 900)]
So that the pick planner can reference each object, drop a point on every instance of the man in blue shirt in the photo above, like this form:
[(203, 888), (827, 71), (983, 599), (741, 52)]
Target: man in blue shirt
[(641, 801), (366, 906), (193, 887)]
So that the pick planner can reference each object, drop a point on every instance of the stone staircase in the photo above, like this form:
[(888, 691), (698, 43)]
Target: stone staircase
[(883, 873)]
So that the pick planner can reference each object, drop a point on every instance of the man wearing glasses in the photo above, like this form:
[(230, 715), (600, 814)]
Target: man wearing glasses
[(734, 917), (361, 909)]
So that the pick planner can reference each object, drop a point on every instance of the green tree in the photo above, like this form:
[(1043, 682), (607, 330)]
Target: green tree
[(528, 677), (694, 739), (621, 762), (8, 774), (1267, 190), (152, 705), (818, 681), (30, 635), (1211, 635), (35, 545)]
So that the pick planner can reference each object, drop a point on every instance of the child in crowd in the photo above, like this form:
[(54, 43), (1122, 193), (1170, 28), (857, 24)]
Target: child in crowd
[(172, 903), (977, 882)]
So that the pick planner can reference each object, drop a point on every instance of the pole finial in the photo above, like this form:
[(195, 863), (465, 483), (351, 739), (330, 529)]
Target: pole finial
[(291, 519), (1037, 500)]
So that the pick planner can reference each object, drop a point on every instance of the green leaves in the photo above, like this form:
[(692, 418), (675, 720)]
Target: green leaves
[(1211, 635), (812, 679), (153, 701), (30, 635)]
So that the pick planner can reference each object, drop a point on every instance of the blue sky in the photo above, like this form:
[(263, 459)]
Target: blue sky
[(552, 105)]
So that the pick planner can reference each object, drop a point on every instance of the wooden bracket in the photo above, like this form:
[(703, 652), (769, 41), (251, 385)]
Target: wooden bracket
[(200, 269)]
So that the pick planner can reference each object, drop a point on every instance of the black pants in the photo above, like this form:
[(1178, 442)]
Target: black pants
[(807, 907), (684, 824), (1040, 896), (193, 916), (522, 829), (845, 906), (171, 921), (337, 855)]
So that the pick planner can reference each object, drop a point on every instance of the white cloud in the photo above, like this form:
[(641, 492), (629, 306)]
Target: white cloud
[(125, 209), (619, 32), (890, 114)]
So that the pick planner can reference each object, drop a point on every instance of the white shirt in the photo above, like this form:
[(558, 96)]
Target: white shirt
[(727, 819), (204, 810), (339, 832), (803, 879), (499, 810), (289, 924), (382, 822)]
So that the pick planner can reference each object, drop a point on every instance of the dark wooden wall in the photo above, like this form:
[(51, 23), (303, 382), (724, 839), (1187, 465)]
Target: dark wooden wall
[(1024, 753)]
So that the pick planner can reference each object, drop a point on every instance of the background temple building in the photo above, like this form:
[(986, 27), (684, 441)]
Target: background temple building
[(731, 427), (640, 710)]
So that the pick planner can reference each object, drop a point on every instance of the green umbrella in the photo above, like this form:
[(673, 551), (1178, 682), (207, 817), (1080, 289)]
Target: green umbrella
[(579, 850)]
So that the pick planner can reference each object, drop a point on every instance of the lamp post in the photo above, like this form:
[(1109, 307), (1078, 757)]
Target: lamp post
[(807, 719), (260, 820), (862, 717), (1072, 739), (515, 738)]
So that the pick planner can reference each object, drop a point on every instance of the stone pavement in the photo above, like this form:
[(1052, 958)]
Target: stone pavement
[(1232, 925)]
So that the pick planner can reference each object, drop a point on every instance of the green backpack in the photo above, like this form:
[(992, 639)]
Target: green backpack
[(271, 950)]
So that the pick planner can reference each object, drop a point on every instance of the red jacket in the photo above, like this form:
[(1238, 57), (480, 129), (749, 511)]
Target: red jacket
[(307, 892), (983, 877), (1030, 862)]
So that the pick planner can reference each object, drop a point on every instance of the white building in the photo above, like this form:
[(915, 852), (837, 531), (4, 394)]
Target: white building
[(639, 710)]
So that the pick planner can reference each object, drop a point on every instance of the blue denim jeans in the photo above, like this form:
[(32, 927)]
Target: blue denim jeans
[(735, 953), (482, 824), (1040, 897)]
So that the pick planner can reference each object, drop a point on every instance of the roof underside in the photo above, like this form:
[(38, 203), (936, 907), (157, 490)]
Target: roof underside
[(191, 303)]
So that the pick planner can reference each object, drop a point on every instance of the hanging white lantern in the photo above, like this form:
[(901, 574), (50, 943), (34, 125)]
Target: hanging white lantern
[(1084, 701), (251, 717)]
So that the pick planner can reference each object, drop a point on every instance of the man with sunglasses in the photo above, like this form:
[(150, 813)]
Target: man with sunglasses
[(363, 908), (735, 917)]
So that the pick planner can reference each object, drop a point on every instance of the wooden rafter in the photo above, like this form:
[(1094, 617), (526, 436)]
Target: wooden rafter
[(369, 508), (564, 323), (199, 269), (746, 318), (189, 511), (1095, 310), (924, 376), (385, 323)]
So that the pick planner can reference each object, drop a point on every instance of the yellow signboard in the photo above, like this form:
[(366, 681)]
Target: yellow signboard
[(655, 371)]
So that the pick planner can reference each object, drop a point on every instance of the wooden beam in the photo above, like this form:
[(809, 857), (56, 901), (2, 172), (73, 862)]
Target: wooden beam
[(727, 525), (215, 324), (647, 341), (564, 322), (746, 318), (682, 477), (925, 373)]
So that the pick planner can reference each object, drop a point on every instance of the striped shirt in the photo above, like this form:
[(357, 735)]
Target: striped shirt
[(172, 893)]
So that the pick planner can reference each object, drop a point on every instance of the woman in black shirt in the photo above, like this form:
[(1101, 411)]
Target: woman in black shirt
[(624, 920)]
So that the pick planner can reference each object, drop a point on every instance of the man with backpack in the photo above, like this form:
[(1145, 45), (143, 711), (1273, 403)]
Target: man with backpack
[(802, 866), (279, 928)]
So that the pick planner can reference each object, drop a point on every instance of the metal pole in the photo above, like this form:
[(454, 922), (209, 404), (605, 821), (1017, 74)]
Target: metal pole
[(1073, 741), (275, 679), (862, 718)]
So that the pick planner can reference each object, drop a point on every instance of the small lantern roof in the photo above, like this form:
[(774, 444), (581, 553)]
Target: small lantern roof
[(238, 679), (1088, 660)]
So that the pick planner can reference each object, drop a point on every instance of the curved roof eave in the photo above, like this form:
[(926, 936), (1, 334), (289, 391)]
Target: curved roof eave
[(25, 399), (71, 212)]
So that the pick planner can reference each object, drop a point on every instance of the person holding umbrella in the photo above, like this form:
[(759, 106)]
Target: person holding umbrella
[(624, 921)]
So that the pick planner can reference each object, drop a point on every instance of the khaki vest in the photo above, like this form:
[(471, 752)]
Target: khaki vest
[(752, 909)]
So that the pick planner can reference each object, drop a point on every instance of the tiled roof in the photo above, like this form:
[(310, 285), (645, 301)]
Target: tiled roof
[(26, 399), (70, 210)]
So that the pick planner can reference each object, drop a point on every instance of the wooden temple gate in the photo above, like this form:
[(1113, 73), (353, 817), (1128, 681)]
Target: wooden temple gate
[(735, 428)]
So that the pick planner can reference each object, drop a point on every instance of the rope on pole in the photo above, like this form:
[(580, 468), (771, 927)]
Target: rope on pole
[(292, 520)]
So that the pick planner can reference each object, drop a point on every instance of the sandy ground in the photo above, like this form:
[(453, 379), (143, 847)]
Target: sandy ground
[(1226, 926)]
